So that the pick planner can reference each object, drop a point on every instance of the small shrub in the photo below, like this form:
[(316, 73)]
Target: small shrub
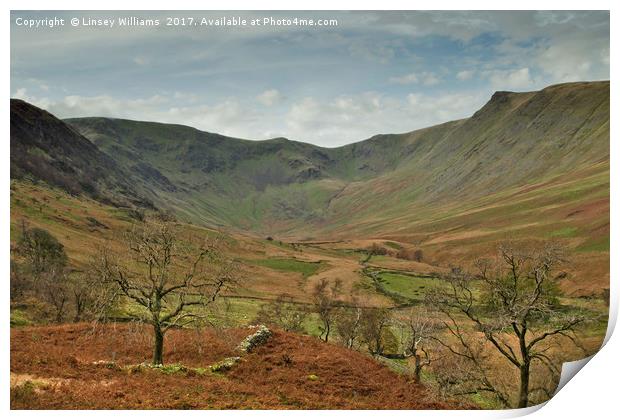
[(287, 360), (376, 249), (410, 255), (23, 394), (173, 368), (19, 319), (200, 371), (108, 364)]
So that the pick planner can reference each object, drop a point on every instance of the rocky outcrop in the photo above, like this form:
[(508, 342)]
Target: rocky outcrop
[(246, 346), (225, 364), (252, 341)]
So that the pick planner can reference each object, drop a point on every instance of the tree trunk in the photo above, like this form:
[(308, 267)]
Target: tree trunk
[(79, 308), (158, 350), (60, 311), (418, 367), (524, 369), (524, 389), (326, 330)]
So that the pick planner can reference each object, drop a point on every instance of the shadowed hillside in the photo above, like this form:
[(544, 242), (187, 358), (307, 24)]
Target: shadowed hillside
[(45, 148)]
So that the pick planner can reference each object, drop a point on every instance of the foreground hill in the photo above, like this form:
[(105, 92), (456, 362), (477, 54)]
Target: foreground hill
[(299, 190), (53, 368)]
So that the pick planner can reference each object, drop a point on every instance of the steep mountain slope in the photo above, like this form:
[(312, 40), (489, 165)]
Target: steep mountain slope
[(514, 140), (45, 148), (295, 188)]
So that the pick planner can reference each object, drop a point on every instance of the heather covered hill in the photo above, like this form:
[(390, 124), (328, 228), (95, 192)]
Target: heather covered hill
[(290, 371)]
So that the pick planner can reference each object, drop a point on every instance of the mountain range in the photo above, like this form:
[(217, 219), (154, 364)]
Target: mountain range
[(389, 184)]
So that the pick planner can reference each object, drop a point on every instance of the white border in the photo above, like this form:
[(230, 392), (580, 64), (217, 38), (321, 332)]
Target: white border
[(592, 395)]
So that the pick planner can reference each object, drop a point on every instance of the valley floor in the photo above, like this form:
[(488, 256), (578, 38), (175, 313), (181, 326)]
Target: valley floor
[(52, 366)]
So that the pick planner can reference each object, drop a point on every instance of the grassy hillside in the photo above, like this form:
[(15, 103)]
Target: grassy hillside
[(268, 268), (526, 165), (300, 190)]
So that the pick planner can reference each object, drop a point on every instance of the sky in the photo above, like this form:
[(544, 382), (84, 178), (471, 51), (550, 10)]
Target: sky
[(372, 73)]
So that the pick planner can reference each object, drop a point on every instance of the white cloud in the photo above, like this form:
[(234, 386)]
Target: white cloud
[(21, 93), (510, 79), (465, 74), (574, 59), (406, 79), (269, 97), (186, 97), (425, 78), (106, 106), (349, 118), (429, 79), (330, 122), (435, 109)]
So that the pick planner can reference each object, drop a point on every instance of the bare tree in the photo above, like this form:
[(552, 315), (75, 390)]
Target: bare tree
[(42, 269), (513, 303), (371, 251), (54, 289), (348, 323), (20, 282), (285, 313), (81, 291), (375, 329), (90, 296), (416, 336), (467, 368), (171, 280), (325, 297), (40, 250)]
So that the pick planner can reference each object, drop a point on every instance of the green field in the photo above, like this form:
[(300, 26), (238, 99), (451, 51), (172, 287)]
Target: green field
[(408, 286), (306, 269)]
